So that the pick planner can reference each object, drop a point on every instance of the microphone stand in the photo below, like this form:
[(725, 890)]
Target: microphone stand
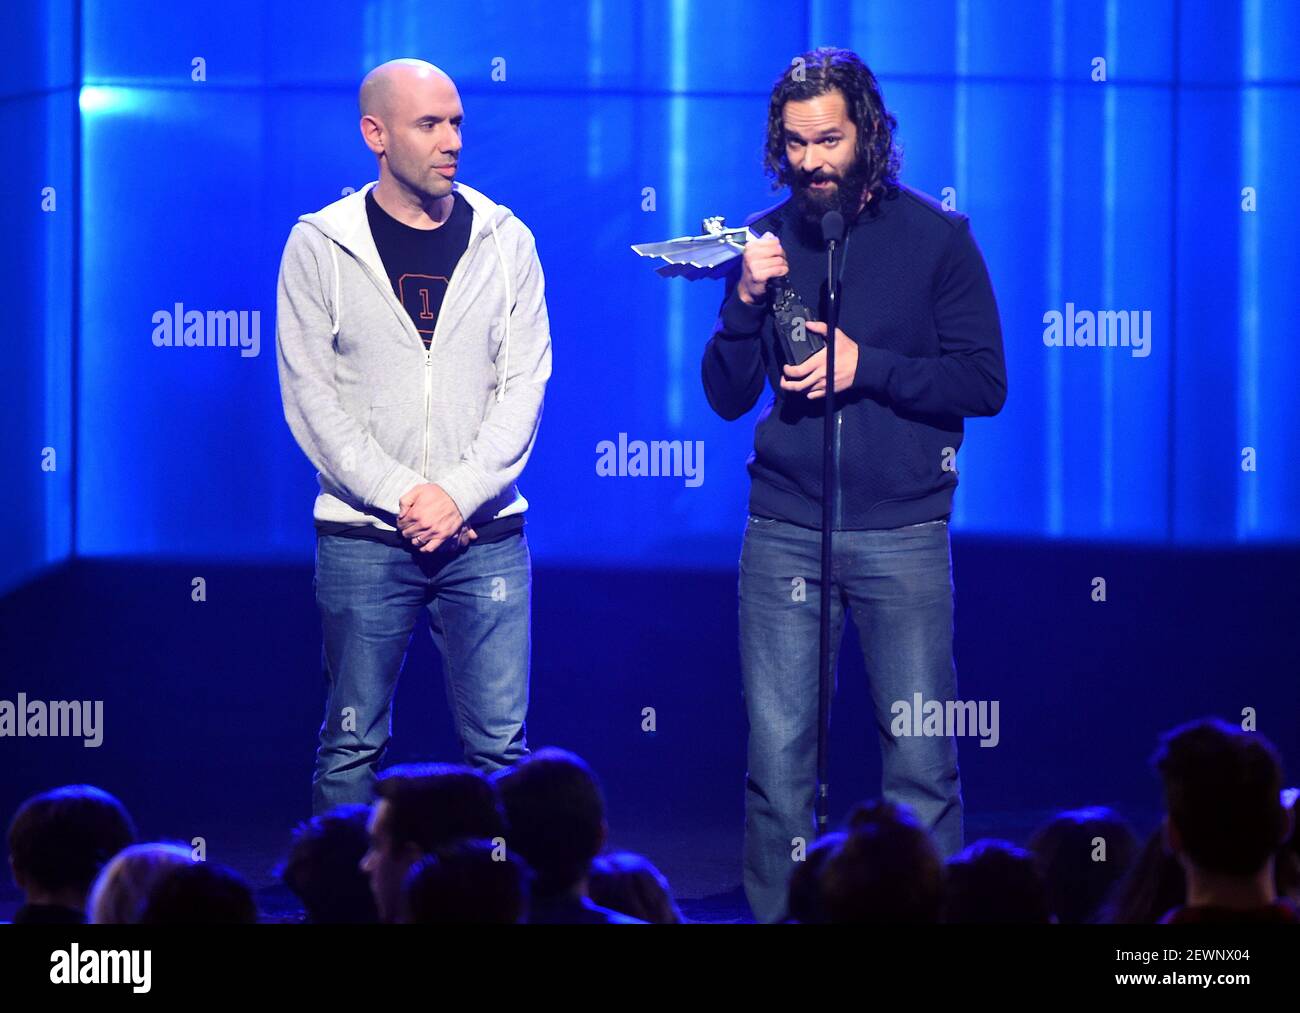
[(832, 232)]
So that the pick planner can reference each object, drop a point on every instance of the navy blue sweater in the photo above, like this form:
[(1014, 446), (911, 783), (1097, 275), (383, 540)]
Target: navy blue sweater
[(916, 299)]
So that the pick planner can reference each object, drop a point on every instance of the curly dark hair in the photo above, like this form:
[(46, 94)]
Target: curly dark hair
[(829, 69)]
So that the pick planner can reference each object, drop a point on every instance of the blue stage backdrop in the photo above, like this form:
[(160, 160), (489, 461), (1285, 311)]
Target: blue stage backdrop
[(1118, 155)]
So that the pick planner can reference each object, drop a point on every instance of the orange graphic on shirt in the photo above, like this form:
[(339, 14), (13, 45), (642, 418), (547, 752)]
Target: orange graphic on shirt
[(417, 300)]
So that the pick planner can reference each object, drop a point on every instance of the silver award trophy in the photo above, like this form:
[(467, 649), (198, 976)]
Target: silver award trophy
[(709, 255)]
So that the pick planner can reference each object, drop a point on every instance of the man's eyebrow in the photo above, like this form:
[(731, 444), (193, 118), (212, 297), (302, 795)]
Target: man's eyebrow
[(430, 118), (822, 135)]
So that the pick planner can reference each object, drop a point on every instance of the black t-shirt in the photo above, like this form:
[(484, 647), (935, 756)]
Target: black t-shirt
[(419, 262)]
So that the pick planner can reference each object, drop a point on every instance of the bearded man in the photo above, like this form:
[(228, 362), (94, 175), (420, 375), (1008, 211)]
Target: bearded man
[(918, 349)]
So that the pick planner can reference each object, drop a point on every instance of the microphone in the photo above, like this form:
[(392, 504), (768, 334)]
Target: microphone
[(832, 227)]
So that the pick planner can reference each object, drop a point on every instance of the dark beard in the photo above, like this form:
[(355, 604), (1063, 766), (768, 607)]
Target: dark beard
[(809, 206)]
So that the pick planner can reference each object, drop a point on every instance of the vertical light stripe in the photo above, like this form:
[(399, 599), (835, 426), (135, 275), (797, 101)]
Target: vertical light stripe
[(677, 141), (1108, 251), (595, 117), (384, 36), (1055, 372), (1248, 266), (369, 37), (961, 104), (93, 100), (56, 399)]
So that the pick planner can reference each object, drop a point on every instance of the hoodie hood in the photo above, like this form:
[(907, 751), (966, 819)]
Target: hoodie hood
[(347, 225)]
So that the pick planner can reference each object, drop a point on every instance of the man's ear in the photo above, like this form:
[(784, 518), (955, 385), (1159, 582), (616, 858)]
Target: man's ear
[(374, 133)]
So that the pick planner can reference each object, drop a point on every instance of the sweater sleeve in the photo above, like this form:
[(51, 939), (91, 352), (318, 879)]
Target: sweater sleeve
[(968, 376), (732, 367)]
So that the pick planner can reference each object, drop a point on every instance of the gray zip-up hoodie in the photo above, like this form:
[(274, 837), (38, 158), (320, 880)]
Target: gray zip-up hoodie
[(375, 412)]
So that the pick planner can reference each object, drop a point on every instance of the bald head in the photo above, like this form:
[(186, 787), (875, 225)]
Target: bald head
[(384, 88)]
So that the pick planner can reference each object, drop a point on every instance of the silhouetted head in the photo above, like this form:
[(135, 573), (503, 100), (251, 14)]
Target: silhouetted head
[(557, 818), (200, 893), (995, 883), (885, 872), (1082, 853), (60, 839), (1223, 797), (324, 867), (468, 883), (119, 894), (631, 885), (420, 808), (804, 900)]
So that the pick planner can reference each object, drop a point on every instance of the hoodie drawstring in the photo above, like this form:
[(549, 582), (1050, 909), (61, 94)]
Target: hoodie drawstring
[(510, 300), (338, 291)]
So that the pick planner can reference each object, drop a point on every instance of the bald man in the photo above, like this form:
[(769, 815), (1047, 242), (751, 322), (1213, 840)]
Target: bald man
[(413, 349)]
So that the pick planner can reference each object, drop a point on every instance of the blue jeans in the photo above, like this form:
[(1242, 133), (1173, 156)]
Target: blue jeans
[(898, 585), (371, 597)]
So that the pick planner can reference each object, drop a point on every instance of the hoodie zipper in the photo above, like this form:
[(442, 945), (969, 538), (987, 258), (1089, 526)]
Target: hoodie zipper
[(476, 239), (428, 402), (386, 286)]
